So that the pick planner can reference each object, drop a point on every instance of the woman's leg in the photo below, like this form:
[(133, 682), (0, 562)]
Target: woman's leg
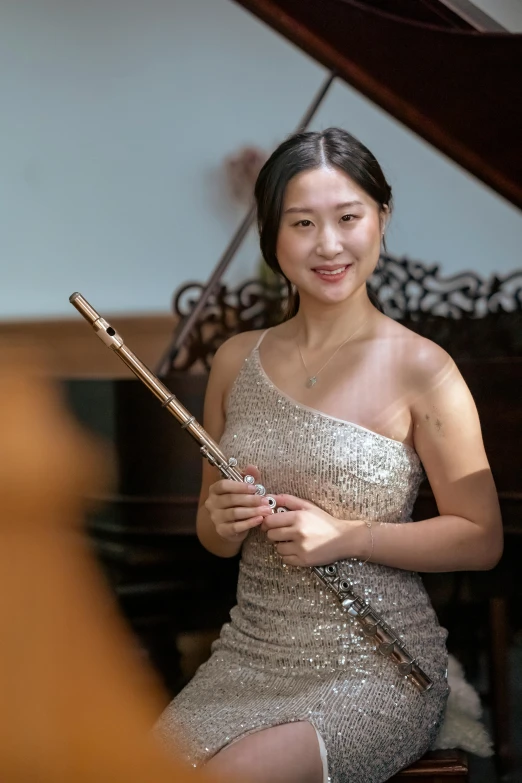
[(288, 753)]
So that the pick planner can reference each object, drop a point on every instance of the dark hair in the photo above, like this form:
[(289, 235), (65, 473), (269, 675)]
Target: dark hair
[(333, 147)]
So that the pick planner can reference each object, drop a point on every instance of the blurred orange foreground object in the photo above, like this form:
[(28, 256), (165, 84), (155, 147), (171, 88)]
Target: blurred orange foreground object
[(75, 705)]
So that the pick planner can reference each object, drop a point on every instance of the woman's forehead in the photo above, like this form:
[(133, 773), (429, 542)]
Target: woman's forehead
[(323, 188)]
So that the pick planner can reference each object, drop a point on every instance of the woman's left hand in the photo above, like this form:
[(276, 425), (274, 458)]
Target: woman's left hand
[(305, 535)]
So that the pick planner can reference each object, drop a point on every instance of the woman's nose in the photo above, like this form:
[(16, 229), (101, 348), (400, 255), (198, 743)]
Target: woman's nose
[(329, 244)]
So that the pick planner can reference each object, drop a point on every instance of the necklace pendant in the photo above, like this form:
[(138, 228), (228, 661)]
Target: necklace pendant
[(311, 381)]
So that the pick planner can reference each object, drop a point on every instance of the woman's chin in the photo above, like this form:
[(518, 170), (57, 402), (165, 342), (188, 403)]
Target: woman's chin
[(329, 295)]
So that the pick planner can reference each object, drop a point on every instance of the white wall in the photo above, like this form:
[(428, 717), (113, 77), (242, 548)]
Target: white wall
[(116, 116)]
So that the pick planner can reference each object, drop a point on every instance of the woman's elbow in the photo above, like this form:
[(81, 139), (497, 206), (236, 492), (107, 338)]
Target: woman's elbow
[(491, 552)]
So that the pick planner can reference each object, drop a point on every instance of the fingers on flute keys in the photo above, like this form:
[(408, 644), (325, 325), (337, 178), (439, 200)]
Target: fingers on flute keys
[(235, 507)]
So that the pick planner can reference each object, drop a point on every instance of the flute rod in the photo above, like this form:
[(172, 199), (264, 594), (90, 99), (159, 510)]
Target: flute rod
[(169, 401)]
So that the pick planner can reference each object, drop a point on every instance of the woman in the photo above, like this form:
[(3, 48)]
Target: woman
[(339, 408)]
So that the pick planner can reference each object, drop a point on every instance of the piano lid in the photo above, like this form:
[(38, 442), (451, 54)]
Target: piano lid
[(456, 87)]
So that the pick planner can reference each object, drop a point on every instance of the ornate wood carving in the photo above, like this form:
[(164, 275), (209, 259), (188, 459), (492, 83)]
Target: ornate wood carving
[(465, 313), (253, 305), (410, 289)]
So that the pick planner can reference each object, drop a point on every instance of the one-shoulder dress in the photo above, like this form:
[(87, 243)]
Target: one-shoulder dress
[(290, 651)]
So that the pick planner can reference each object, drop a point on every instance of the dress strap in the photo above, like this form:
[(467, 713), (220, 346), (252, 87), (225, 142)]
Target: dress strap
[(261, 336)]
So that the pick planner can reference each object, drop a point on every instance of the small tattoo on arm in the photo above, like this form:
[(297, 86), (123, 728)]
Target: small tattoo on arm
[(438, 425)]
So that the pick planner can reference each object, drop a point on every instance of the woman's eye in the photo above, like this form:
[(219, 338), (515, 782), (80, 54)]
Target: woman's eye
[(348, 218), (304, 223)]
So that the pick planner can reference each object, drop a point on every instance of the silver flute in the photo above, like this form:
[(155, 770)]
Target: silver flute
[(373, 626)]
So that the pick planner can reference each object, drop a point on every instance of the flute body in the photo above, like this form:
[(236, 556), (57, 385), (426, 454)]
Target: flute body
[(387, 641)]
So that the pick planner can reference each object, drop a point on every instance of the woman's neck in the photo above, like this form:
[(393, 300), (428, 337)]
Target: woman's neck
[(318, 326)]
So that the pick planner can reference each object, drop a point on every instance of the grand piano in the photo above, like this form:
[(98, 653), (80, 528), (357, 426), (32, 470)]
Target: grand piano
[(458, 87)]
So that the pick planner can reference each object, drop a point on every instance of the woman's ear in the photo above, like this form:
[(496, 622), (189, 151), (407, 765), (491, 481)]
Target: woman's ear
[(384, 217)]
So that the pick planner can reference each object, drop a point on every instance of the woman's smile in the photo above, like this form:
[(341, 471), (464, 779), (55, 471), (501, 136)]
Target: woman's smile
[(332, 274)]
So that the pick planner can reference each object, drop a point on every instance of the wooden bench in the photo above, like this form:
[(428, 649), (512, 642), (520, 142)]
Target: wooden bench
[(439, 766)]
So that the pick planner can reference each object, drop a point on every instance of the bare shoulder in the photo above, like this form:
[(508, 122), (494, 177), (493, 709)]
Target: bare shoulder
[(235, 350), (441, 405), (427, 378), (423, 364)]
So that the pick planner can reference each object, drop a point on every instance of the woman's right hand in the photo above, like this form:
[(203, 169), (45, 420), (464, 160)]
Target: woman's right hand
[(234, 507)]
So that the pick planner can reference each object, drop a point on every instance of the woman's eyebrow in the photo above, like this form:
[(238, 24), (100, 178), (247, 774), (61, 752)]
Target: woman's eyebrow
[(344, 205)]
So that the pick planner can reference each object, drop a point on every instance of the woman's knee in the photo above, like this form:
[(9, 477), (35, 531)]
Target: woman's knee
[(288, 753)]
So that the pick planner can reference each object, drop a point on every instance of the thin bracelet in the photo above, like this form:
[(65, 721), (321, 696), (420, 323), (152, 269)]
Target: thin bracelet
[(368, 524)]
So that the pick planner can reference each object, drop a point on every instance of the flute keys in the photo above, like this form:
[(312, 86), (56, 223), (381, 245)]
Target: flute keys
[(406, 667), (249, 480), (207, 455), (232, 462), (386, 648), (348, 604)]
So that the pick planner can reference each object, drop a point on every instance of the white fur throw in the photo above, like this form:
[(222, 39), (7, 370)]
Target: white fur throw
[(462, 727)]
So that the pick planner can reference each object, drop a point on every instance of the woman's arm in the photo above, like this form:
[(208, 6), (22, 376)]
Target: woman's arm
[(468, 533), (225, 367)]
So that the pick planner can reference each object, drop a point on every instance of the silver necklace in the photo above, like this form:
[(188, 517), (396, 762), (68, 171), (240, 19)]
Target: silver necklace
[(312, 379)]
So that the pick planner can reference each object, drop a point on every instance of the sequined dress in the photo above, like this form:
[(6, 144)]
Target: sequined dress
[(290, 652)]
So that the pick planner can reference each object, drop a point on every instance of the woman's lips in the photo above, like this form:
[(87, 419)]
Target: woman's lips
[(333, 275)]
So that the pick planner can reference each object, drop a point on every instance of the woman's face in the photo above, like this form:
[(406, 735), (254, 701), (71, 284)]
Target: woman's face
[(330, 235)]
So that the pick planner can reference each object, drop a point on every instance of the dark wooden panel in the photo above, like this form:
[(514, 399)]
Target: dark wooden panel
[(456, 88)]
